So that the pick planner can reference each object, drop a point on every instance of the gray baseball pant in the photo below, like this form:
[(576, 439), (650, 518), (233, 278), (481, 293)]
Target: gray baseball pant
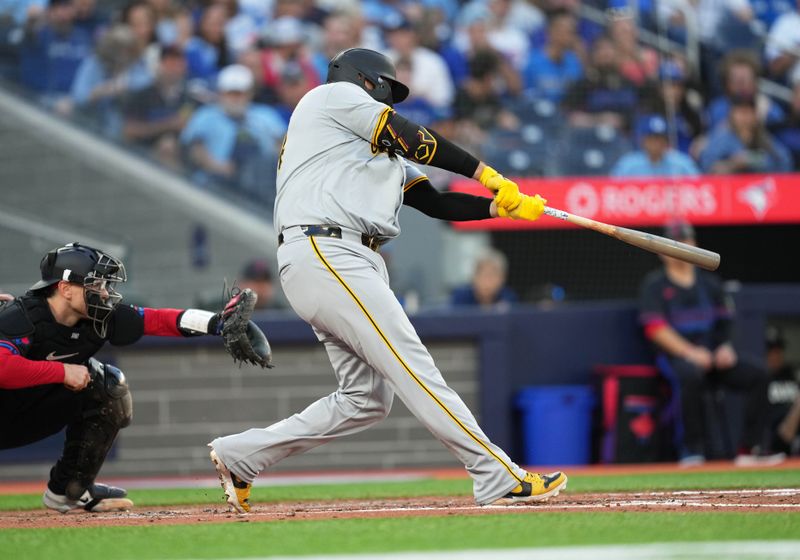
[(342, 289)]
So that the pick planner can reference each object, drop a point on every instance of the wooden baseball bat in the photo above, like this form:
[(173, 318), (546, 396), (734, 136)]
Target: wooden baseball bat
[(647, 241)]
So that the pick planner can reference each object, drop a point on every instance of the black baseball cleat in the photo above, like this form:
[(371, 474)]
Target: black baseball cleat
[(534, 488), (98, 498)]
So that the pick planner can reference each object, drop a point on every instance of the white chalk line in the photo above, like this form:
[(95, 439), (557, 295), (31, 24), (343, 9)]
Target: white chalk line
[(730, 550)]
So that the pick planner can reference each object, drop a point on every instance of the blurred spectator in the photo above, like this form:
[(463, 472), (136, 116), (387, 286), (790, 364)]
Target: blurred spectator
[(292, 86), (551, 68), (768, 11), (141, 18), (474, 37), (207, 51), (234, 142), (116, 69), (682, 103), (91, 18), (257, 275), (18, 12), (505, 35), (788, 130), (52, 51), (689, 319), (655, 158), (478, 28), (417, 109), (702, 17), (166, 16), (259, 10), (477, 99), (241, 28), (637, 63), (739, 71), (783, 395), (304, 10), (284, 44), (155, 115), (430, 78), (604, 95), (783, 46), (522, 15), (341, 31), (488, 287), (743, 145)]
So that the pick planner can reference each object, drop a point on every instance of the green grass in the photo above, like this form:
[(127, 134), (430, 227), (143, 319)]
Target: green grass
[(385, 535), (435, 533), (461, 487)]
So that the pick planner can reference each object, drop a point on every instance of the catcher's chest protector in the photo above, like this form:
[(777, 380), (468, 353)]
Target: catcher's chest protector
[(29, 325)]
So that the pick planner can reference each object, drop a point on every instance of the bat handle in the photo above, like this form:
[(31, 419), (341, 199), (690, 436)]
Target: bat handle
[(556, 213)]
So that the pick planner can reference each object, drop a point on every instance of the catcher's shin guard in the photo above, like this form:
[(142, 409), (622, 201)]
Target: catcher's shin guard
[(108, 409)]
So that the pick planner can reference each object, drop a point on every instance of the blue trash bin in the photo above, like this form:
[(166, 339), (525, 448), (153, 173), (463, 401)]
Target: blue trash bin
[(556, 424)]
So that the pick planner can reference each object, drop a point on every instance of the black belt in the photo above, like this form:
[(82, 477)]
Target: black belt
[(372, 241)]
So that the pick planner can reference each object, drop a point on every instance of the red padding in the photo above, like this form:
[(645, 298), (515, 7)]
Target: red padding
[(161, 322)]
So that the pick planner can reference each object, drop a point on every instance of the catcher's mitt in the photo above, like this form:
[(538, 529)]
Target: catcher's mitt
[(243, 340)]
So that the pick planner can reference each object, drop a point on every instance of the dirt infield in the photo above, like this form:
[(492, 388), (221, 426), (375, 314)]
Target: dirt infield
[(773, 500)]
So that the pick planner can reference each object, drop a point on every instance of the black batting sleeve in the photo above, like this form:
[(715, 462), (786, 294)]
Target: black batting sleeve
[(398, 135), (450, 206)]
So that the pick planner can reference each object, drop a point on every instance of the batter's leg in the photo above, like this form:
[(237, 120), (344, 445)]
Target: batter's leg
[(363, 398), (352, 300)]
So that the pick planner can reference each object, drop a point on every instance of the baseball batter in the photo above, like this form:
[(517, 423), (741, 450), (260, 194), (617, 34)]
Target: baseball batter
[(344, 171)]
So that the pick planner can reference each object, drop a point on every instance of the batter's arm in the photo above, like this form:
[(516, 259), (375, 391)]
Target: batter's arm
[(450, 206), (398, 135)]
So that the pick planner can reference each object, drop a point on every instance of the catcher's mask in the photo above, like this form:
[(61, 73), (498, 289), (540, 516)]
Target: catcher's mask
[(354, 65), (97, 271)]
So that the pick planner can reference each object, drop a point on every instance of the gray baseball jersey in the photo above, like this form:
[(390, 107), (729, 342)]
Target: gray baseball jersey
[(330, 171), (332, 174)]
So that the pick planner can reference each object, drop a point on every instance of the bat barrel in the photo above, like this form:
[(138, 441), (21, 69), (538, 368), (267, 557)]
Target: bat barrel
[(703, 258)]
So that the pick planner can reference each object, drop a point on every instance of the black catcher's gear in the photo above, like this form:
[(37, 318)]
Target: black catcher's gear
[(99, 273), (88, 441), (353, 65)]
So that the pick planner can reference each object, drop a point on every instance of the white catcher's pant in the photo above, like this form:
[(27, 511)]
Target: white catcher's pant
[(342, 289)]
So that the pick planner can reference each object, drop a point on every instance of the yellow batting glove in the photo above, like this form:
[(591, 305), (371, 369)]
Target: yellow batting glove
[(508, 196), (490, 179), (530, 208), (506, 192)]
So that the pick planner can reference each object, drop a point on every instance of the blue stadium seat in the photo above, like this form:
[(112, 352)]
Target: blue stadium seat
[(522, 152), (590, 151), (540, 112)]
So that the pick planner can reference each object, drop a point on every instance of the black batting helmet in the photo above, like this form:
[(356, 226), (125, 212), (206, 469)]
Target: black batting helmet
[(353, 65), (96, 271)]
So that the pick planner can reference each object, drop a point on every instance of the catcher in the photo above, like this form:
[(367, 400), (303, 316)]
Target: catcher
[(49, 379)]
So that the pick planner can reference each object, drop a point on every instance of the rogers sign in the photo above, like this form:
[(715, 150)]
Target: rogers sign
[(706, 200), (634, 200)]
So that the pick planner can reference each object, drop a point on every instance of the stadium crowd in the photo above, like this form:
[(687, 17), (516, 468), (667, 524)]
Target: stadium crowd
[(536, 87)]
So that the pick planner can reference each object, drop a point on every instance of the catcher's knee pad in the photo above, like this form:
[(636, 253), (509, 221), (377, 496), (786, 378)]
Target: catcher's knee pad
[(110, 390), (108, 409)]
